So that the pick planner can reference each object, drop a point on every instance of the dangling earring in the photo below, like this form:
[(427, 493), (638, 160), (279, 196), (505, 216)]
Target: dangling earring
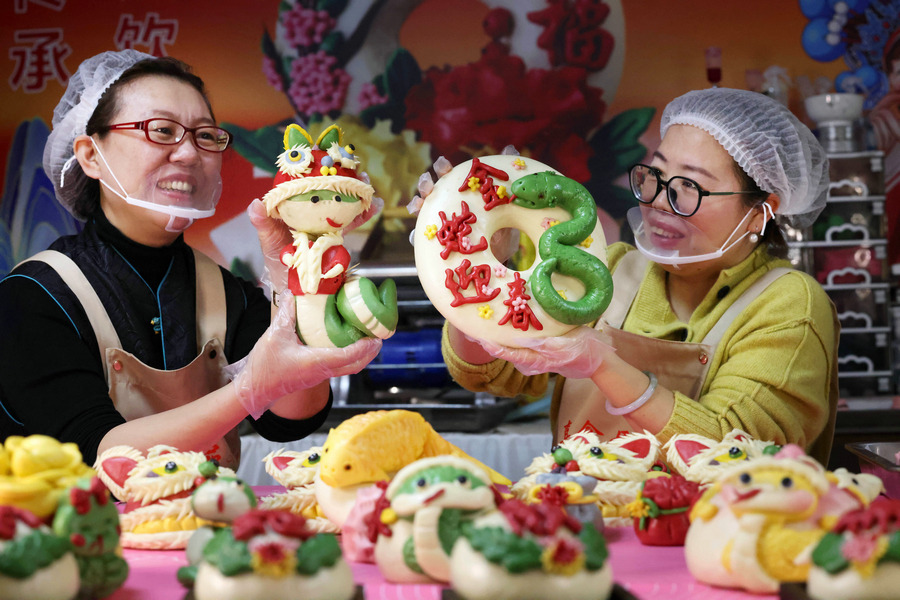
[(754, 237)]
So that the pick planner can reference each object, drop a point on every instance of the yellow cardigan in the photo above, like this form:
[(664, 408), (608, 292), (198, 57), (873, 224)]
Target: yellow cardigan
[(773, 375)]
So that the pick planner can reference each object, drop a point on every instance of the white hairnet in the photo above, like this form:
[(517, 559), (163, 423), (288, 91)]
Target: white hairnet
[(769, 143), (71, 115)]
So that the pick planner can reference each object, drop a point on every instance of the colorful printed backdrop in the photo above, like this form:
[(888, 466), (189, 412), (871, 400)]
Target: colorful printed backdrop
[(577, 84)]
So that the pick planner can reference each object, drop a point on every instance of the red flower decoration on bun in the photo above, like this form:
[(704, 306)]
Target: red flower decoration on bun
[(662, 508)]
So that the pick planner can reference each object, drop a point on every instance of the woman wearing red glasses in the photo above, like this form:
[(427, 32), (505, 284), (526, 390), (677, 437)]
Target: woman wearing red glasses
[(123, 334), (709, 328)]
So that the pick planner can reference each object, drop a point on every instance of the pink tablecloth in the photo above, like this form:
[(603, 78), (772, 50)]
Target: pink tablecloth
[(647, 572)]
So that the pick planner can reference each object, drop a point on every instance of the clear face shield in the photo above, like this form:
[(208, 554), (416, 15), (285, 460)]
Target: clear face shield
[(670, 239), (168, 190)]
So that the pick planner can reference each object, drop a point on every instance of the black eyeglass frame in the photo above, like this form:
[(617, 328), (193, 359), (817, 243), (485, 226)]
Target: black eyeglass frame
[(664, 183), (144, 126)]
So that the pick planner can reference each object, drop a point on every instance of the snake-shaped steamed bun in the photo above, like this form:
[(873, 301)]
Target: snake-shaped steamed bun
[(568, 283)]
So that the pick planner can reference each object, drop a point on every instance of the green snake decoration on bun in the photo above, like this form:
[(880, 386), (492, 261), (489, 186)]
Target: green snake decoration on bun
[(557, 247)]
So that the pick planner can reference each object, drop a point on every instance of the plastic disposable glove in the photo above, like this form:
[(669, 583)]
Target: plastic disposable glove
[(374, 209), (273, 235), (280, 364), (575, 355)]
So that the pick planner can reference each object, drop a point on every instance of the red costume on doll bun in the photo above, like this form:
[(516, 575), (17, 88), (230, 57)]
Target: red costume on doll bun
[(661, 510)]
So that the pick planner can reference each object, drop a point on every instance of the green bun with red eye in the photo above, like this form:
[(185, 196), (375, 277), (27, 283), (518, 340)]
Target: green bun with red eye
[(88, 518), (221, 499)]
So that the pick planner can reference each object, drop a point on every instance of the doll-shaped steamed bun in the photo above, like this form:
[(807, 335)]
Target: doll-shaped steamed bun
[(218, 501), (319, 192)]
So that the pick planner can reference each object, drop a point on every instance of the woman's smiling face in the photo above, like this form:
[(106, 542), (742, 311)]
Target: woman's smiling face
[(175, 175), (690, 152)]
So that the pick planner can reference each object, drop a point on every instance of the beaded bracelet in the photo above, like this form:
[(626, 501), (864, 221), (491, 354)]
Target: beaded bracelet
[(642, 399)]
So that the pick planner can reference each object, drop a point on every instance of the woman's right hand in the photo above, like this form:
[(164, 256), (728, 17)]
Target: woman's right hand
[(575, 355), (274, 235), (279, 364)]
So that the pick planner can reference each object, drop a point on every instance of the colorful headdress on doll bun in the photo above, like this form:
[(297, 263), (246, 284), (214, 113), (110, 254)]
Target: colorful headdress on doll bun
[(326, 164)]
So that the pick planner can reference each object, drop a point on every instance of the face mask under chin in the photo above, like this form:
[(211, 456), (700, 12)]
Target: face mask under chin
[(180, 217), (669, 239), (178, 224)]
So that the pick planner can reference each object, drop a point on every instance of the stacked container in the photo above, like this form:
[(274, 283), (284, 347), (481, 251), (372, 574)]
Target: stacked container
[(846, 251)]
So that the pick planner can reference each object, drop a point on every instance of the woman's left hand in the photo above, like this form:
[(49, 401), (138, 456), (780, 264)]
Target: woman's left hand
[(279, 364), (575, 355)]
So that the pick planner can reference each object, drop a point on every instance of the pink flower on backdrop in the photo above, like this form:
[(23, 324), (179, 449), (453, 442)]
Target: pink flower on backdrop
[(305, 27), (481, 107), (271, 73), (317, 85), (369, 96)]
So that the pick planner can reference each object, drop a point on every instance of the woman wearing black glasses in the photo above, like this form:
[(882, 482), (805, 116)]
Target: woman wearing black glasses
[(123, 334), (709, 328)]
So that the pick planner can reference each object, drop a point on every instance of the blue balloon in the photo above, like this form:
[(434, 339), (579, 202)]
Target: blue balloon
[(813, 42), (813, 9), (869, 75)]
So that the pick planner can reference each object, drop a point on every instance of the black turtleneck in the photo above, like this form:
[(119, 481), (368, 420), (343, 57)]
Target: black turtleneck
[(51, 373), (152, 263)]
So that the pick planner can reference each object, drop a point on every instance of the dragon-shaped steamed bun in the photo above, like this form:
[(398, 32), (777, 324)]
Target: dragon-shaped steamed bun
[(157, 489), (619, 467), (296, 471), (702, 459)]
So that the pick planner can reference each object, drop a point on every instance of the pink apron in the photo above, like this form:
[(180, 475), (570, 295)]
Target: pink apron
[(138, 390), (680, 366)]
